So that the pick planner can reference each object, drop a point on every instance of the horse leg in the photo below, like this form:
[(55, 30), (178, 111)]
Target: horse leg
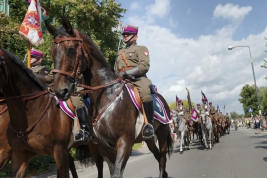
[(97, 157), (109, 154), (19, 163), (210, 137), (5, 157), (72, 167), (124, 149), (165, 147), (61, 156), (181, 141)]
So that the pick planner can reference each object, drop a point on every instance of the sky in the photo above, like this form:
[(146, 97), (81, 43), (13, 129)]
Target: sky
[(188, 46)]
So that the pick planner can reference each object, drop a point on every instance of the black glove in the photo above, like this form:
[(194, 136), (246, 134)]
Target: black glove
[(124, 75)]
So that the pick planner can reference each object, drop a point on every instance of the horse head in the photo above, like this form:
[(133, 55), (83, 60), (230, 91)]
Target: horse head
[(16, 79), (74, 54)]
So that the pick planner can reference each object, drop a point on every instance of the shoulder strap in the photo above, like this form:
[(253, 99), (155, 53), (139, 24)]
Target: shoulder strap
[(124, 59)]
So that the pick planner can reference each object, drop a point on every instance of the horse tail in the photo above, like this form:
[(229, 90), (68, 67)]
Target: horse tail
[(83, 155), (169, 142)]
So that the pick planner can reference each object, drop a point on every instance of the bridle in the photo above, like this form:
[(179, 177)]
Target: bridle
[(78, 61)]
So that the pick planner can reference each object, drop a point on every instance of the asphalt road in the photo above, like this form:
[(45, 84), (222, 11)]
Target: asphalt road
[(241, 154)]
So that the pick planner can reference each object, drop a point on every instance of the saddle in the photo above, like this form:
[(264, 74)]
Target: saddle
[(160, 113)]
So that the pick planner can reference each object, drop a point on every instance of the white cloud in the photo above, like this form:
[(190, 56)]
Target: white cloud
[(204, 63), (160, 8), (231, 12), (172, 23), (134, 6)]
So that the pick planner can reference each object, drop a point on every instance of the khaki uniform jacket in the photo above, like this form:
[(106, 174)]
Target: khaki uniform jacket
[(204, 108), (137, 56), (212, 110), (43, 70)]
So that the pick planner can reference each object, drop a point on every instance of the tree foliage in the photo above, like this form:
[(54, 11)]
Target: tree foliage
[(249, 99), (173, 104), (92, 17)]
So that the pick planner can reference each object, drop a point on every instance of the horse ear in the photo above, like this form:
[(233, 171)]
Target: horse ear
[(51, 29), (66, 24)]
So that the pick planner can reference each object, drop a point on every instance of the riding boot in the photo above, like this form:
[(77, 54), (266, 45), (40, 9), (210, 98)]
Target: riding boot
[(83, 134), (148, 130)]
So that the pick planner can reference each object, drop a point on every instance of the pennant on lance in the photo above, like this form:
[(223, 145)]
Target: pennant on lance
[(30, 28), (194, 115)]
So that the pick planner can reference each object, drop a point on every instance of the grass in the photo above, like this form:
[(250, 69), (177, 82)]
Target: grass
[(137, 146)]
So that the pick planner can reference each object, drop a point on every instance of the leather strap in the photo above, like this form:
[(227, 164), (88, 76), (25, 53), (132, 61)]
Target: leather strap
[(124, 59), (4, 110)]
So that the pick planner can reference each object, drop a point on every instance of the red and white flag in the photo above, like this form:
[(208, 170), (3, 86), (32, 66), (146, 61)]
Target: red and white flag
[(30, 28)]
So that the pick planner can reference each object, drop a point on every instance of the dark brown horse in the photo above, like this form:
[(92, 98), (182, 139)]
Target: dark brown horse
[(112, 112), (37, 124)]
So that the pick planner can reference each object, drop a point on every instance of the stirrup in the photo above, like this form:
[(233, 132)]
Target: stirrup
[(82, 133), (148, 137)]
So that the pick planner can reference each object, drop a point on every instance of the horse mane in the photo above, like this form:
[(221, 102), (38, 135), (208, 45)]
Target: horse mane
[(20, 63)]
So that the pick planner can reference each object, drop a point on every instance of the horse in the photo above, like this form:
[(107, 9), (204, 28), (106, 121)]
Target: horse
[(5, 149), (37, 125), (181, 131), (207, 129), (112, 114), (227, 126), (215, 129)]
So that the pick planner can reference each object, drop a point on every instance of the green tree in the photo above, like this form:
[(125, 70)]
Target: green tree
[(249, 99), (173, 104), (92, 17), (234, 115)]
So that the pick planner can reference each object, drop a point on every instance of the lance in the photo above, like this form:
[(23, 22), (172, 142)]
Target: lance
[(189, 100)]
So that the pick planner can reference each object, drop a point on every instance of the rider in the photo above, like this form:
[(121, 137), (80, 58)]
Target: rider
[(212, 109), (180, 107), (204, 106), (45, 76), (133, 63)]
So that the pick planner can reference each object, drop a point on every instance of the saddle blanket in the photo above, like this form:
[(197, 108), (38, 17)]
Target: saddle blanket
[(159, 110), (65, 108)]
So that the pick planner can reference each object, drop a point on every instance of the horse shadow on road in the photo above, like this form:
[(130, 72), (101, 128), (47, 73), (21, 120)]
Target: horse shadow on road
[(265, 159)]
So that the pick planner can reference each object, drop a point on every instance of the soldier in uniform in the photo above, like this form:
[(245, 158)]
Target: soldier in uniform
[(212, 109), (180, 107), (204, 106), (133, 63), (45, 76)]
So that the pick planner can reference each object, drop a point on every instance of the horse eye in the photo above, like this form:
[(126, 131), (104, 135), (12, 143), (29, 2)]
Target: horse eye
[(71, 52)]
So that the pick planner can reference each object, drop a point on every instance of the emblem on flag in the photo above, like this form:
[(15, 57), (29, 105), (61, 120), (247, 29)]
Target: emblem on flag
[(194, 115), (30, 28)]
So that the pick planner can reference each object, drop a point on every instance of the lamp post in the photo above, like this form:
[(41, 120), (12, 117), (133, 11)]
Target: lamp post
[(251, 61)]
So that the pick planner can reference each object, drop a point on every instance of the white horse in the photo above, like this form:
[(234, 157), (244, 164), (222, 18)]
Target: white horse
[(181, 131), (207, 129)]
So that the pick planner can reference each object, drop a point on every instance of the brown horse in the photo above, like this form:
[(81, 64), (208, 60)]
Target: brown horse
[(112, 112), (37, 124), (5, 149)]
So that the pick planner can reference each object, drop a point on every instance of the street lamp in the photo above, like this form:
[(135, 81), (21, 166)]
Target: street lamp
[(251, 61)]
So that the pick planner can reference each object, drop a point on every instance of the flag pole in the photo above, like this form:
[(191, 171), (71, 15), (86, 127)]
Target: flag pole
[(29, 55)]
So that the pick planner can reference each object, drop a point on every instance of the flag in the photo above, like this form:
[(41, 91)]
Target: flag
[(203, 95), (30, 28), (194, 115), (177, 99), (217, 107)]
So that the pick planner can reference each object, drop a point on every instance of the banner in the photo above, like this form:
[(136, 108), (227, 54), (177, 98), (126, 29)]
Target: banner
[(194, 115), (30, 28)]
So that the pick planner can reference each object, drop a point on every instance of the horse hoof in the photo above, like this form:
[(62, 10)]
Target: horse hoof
[(188, 148), (181, 152)]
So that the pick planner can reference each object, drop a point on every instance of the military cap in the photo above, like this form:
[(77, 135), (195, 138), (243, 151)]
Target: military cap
[(36, 53), (130, 29), (210, 102), (204, 99)]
